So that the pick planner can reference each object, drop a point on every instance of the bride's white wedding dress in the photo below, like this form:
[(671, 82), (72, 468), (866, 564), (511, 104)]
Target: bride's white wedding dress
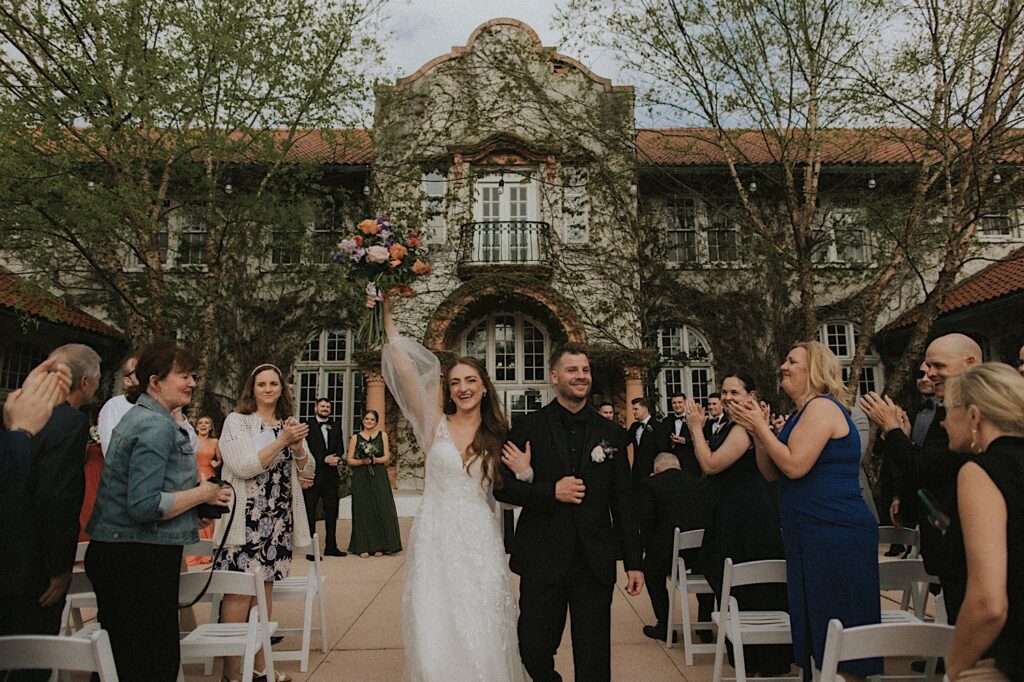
[(458, 612)]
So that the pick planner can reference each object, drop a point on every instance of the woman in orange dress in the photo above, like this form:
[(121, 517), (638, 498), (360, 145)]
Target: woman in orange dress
[(208, 459), (93, 472)]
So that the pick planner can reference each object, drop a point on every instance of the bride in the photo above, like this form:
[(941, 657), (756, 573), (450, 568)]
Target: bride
[(458, 612)]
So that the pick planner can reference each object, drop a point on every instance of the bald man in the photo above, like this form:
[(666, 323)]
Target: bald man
[(930, 464)]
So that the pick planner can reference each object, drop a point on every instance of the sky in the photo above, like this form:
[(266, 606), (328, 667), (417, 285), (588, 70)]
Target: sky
[(424, 29)]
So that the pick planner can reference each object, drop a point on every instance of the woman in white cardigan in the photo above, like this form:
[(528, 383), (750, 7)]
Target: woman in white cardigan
[(265, 455)]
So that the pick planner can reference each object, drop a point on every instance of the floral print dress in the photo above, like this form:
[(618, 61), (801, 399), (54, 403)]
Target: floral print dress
[(268, 523)]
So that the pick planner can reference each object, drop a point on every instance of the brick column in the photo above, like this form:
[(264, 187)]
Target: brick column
[(375, 392), (634, 389)]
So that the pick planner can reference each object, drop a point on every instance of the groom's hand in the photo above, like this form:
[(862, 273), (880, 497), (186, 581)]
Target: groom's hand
[(634, 582), (570, 490)]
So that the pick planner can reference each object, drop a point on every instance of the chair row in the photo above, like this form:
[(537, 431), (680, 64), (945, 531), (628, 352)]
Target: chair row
[(773, 627), (243, 639)]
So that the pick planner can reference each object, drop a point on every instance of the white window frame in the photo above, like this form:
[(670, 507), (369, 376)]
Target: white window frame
[(520, 362), (827, 227), (517, 178), (348, 408), (688, 370), (849, 332), (672, 223), (1002, 211), (434, 190), (575, 204)]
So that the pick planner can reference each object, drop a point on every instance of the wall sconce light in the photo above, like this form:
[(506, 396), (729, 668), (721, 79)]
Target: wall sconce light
[(366, 190), (996, 179), (228, 189), (91, 185), (501, 185), (871, 183), (752, 186)]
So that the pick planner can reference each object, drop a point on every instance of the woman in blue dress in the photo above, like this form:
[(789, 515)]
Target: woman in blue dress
[(830, 537)]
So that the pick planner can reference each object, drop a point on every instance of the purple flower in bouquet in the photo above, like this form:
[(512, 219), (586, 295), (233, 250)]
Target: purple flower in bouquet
[(358, 254), (348, 245)]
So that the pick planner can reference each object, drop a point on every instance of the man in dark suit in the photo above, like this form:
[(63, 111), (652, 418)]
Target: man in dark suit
[(670, 504), (643, 436), (931, 465), (714, 427), (25, 413), (325, 444), (577, 511), (901, 499), (56, 487)]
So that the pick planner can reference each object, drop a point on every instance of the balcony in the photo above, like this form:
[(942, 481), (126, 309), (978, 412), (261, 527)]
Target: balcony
[(505, 246)]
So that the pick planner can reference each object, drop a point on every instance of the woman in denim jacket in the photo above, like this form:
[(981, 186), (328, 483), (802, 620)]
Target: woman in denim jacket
[(143, 516)]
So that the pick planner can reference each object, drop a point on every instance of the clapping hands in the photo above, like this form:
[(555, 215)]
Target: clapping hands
[(29, 407), (294, 431)]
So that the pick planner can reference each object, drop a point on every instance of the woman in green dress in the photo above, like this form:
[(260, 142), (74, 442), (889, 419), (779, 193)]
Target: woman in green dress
[(374, 518)]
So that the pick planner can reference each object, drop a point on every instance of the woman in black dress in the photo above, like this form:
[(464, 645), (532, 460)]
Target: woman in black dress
[(744, 522)]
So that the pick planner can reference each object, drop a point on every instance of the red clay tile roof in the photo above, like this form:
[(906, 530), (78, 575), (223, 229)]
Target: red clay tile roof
[(22, 296), (348, 147), (849, 146), (997, 280)]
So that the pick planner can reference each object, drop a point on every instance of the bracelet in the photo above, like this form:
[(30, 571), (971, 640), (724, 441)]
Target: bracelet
[(18, 429)]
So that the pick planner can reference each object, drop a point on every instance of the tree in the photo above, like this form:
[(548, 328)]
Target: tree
[(125, 121), (769, 82), (953, 89)]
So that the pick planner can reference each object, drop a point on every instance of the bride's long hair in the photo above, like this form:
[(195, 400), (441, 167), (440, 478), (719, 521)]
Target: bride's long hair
[(490, 437)]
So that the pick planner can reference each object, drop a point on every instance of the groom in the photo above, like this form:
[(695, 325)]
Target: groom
[(577, 513)]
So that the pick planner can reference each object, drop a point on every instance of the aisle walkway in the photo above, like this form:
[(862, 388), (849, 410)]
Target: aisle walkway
[(365, 597)]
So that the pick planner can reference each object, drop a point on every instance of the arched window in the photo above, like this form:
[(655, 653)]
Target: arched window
[(686, 365), (514, 349), (327, 368), (841, 338)]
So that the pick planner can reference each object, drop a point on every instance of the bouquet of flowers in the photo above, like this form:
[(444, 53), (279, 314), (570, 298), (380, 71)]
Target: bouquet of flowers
[(387, 257)]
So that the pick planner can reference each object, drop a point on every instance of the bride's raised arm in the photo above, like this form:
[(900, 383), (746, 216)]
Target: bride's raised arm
[(413, 374)]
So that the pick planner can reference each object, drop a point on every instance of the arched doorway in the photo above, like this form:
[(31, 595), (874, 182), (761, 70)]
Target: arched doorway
[(514, 347)]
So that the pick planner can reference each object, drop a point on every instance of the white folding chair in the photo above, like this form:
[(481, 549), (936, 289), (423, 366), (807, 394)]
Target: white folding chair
[(682, 583), (229, 639), (868, 641), (80, 594), (908, 537), (748, 627), (91, 654), (309, 589), (909, 577)]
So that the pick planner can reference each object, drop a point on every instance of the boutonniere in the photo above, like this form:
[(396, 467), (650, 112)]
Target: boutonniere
[(648, 428), (602, 451)]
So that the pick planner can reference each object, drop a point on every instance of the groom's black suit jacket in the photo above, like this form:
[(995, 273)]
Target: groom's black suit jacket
[(319, 449), (547, 533)]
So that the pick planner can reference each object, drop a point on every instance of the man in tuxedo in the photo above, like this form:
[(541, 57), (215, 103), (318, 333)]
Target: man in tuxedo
[(643, 436), (714, 427), (56, 487), (606, 410), (902, 501), (930, 465), (577, 510), (325, 444)]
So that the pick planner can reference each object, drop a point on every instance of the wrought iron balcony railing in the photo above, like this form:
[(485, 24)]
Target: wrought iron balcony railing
[(505, 243)]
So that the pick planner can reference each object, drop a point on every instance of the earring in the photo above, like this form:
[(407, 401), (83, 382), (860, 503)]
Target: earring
[(974, 440), (485, 392)]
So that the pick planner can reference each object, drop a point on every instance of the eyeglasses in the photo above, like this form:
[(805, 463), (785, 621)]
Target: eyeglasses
[(128, 374)]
